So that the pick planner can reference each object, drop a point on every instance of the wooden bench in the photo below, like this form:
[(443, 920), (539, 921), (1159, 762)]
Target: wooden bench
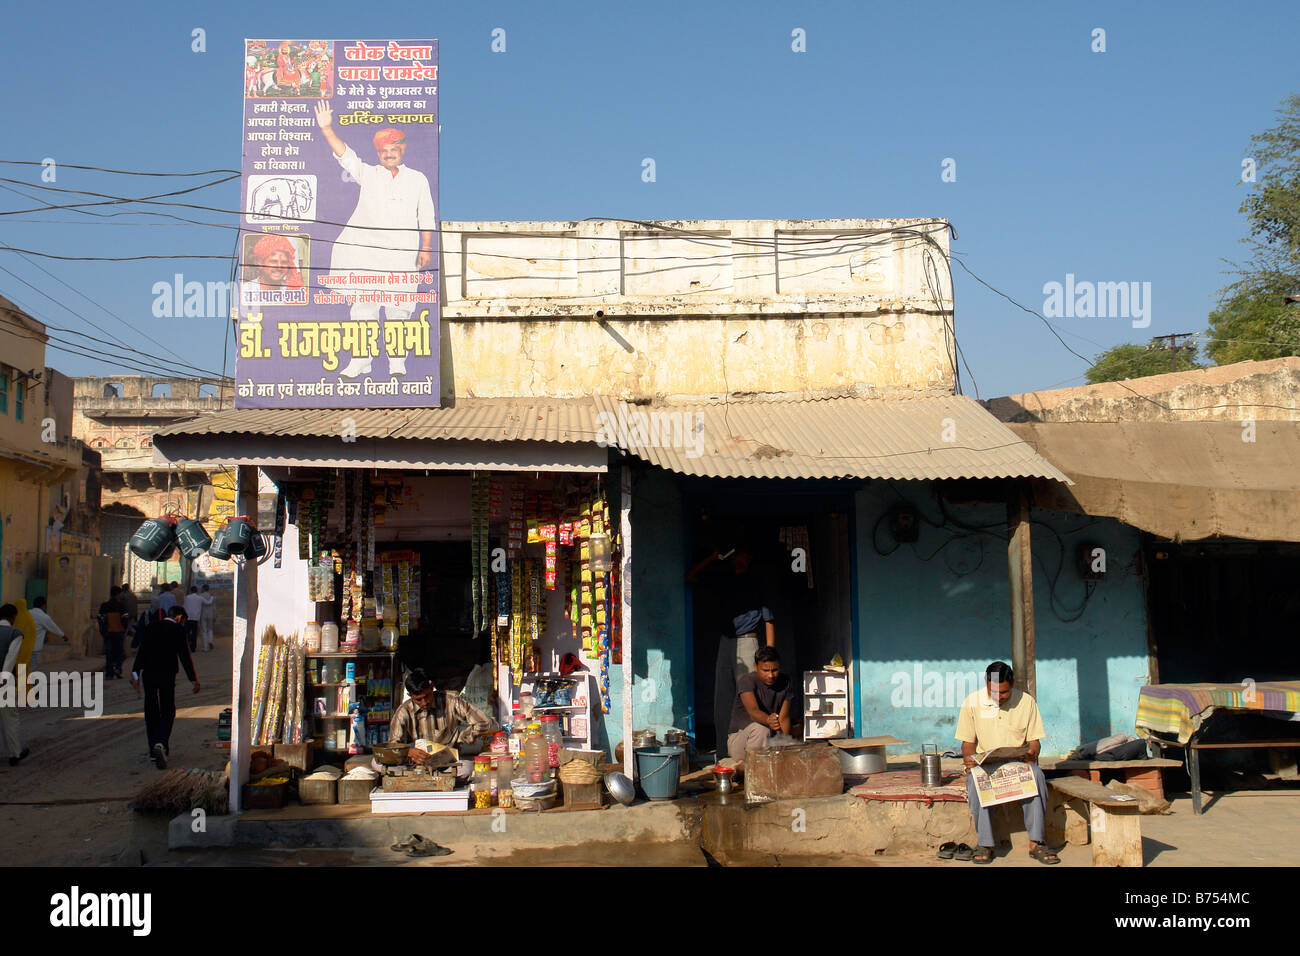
[(1113, 820), (1144, 773)]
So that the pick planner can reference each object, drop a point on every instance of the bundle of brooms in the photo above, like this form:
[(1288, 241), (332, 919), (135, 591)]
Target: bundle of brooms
[(179, 791)]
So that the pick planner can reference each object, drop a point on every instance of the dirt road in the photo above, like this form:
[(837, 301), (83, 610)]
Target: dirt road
[(66, 804)]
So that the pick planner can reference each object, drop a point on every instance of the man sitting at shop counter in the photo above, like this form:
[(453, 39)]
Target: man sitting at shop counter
[(438, 716), (993, 718)]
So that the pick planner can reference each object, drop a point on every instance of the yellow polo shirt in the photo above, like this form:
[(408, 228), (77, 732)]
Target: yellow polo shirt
[(988, 726)]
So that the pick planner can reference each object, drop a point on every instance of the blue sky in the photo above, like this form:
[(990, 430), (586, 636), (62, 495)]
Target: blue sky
[(1115, 166)]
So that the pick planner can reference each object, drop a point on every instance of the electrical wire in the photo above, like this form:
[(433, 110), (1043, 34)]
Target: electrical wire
[(179, 368)]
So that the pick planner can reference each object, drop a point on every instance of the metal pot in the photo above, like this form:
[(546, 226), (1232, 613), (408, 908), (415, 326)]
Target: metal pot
[(620, 788), (863, 760), (725, 778), (390, 755)]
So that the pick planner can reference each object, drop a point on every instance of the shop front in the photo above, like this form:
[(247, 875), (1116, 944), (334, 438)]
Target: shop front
[(493, 568)]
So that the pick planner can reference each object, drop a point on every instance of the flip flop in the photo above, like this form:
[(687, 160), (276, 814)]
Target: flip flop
[(962, 853), (946, 850), (982, 855), (1043, 854), (413, 840), (427, 848)]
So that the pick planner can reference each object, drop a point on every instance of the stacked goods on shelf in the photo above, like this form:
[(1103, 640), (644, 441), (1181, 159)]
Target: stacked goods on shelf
[(516, 621), (262, 680)]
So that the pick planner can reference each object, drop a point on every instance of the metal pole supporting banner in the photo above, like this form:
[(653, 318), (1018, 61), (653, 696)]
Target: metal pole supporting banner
[(625, 584)]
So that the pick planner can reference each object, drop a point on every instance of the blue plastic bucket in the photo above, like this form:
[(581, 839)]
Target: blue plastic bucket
[(659, 770)]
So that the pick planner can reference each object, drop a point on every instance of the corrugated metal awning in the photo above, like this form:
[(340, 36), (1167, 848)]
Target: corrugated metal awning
[(929, 437), (495, 434), (470, 419)]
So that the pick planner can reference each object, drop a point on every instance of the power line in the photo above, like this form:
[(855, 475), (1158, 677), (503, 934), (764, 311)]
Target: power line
[(120, 172)]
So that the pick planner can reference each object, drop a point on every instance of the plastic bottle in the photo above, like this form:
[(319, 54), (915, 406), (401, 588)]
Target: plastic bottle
[(554, 741), (329, 638), (518, 728), (500, 746), (313, 637), (480, 785), (526, 705), (535, 762)]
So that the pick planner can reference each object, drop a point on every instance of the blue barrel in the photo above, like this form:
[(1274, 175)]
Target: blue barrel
[(659, 770)]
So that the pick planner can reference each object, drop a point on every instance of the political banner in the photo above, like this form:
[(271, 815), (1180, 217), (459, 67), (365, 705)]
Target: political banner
[(339, 260)]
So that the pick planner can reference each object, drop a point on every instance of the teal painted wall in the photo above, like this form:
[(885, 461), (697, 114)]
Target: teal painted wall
[(661, 663), (940, 610)]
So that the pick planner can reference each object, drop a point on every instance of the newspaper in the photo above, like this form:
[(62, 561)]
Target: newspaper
[(1013, 780)]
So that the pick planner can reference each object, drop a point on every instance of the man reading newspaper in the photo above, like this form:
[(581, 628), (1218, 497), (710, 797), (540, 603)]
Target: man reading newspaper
[(996, 724)]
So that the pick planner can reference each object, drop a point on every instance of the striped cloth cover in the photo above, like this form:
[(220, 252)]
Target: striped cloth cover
[(1181, 708)]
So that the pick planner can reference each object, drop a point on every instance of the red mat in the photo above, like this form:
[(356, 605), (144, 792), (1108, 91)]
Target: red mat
[(906, 785)]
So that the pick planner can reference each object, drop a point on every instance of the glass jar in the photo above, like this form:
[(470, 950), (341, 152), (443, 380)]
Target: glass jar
[(500, 744), (329, 638), (494, 779), (312, 637), (526, 705), (518, 730), (551, 731), (388, 637)]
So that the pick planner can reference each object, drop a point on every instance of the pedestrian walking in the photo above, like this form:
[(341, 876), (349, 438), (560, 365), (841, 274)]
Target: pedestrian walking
[(205, 621), (112, 628), (44, 625), (11, 640), (163, 650), (193, 611)]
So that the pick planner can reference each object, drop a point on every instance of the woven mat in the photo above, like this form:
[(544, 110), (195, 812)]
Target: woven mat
[(906, 785)]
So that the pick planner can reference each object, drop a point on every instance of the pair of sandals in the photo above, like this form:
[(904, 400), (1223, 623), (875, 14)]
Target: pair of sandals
[(416, 845), (984, 854)]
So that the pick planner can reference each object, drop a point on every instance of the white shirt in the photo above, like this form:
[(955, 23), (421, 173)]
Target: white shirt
[(43, 623), (12, 657), (390, 202), (193, 606)]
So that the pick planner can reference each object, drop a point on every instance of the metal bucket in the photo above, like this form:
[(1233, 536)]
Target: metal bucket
[(192, 539), (931, 766)]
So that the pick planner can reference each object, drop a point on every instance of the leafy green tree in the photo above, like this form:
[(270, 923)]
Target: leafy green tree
[(1252, 320), (1254, 325), (1138, 361)]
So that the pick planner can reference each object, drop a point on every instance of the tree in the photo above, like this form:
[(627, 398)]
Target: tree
[(1252, 320), (1254, 325), (1139, 361)]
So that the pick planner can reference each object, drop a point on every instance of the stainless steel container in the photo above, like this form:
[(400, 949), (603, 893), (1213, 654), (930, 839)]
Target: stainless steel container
[(862, 760), (679, 738), (931, 766)]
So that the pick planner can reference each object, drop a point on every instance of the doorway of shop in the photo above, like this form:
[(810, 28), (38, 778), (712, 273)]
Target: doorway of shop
[(798, 545)]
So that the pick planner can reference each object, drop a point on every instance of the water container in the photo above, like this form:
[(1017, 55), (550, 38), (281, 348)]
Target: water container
[(152, 540), (256, 545), (218, 549), (192, 539), (329, 638), (239, 537)]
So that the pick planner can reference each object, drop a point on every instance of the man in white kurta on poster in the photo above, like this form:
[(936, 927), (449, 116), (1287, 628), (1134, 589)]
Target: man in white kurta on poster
[(390, 231)]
